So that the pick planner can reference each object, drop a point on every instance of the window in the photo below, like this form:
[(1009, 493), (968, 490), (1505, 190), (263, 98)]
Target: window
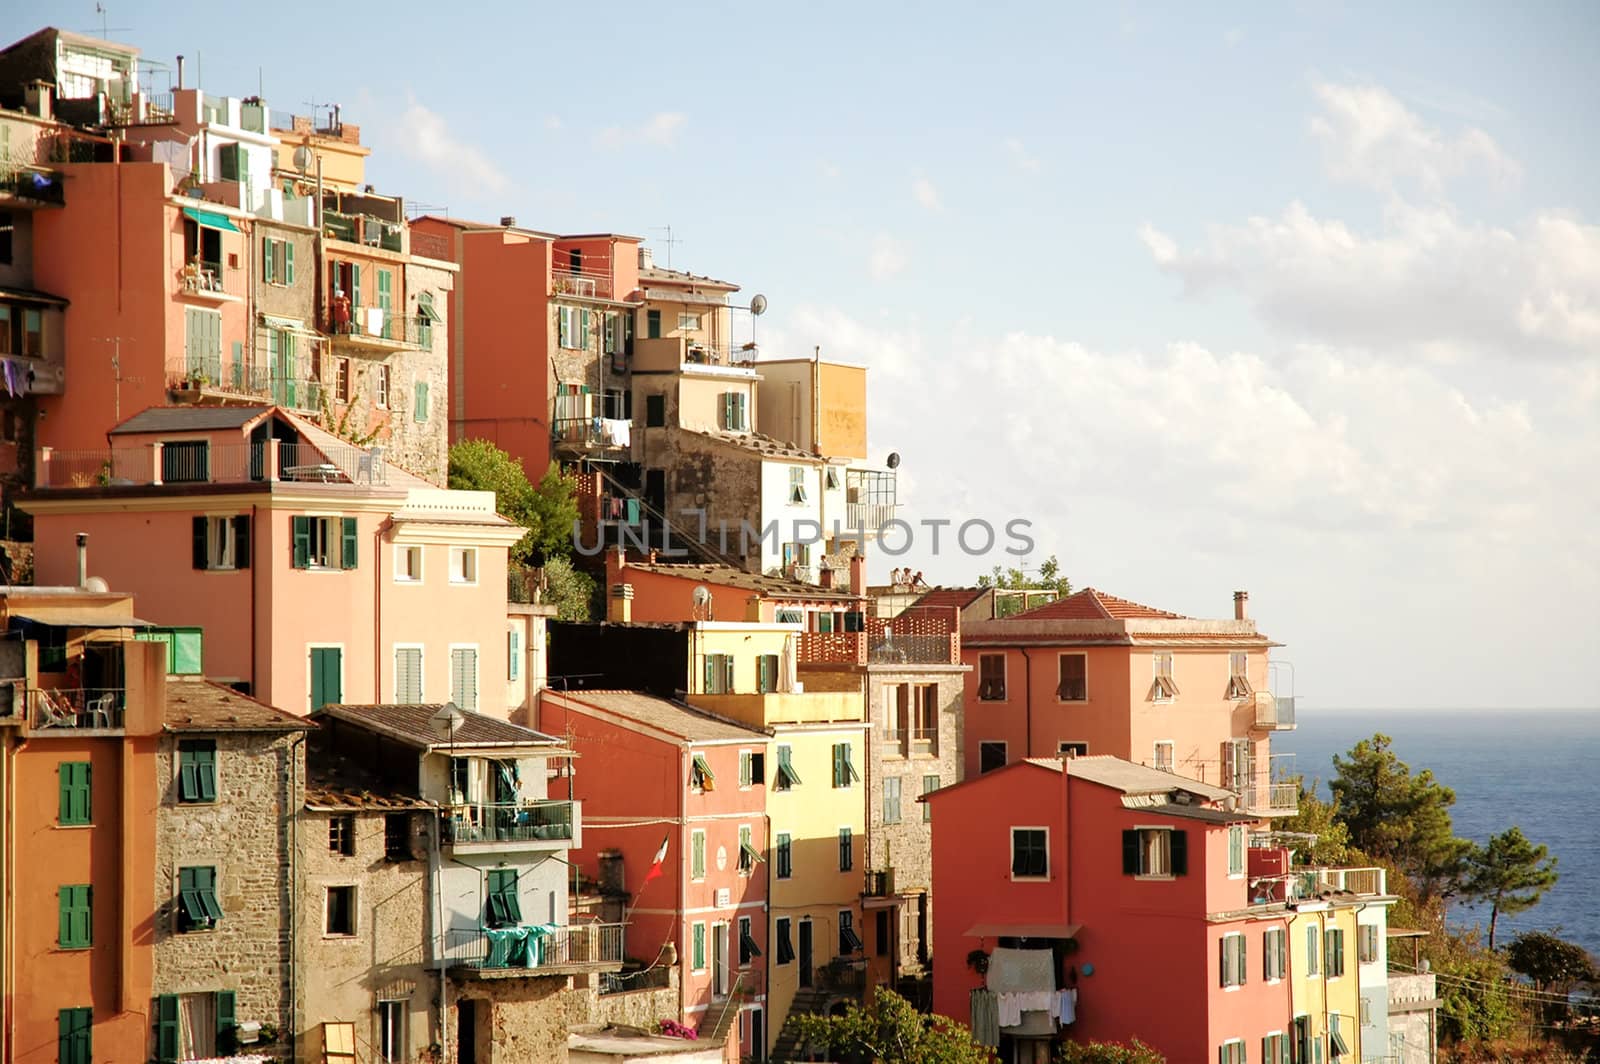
[(719, 674), (202, 338), (1164, 755), (785, 944), (881, 933), (1231, 1052), (690, 322), (464, 677), (1274, 959), (752, 768), (991, 755), (277, 261), (504, 907), (767, 673), (655, 411), (324, 542), (747, 943), (8, 226), (1334, 952), (198, 909), (572, 328), (891, 800), (697, 854), (339, 911), (929, 785), (844, 770), (849, 941), (830, 478), (1367, 944), (797, 485), (1365, 1015), (1313, 949), (513, 655), (338, 1043), (735, 411), (463, 565), (75, 929), (701, 778), (786, 776), (847, 850), (221, 542), (785, 853), (1072, 683), (76, 805), (1232, 950), (391, 1031), (1072, 749), (1275, 1049), (341, 379), (1030, 853), (186, 461), (380, 386), (991, 678), (185, 648), (419, 402), (75, 1042), (1302, 1040), (1155, 852), (748, 854), (342, 835), (1236, 850), (1337, 1046), (1238, 684), (408, 565), (197, 770), (1162, 689), (652, 324), (397, 836), (697, 960)]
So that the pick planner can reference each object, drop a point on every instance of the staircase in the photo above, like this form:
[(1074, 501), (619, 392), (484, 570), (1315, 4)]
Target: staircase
[(808, 1000), (612, 535)]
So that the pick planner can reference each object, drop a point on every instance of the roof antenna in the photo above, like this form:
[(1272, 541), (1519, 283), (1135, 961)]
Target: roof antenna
[(669, 241)]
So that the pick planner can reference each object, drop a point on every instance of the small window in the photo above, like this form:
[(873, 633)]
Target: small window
[(341, 379), (844, 769), (849, 941), (847, 850), (1155, 852), (652, 324), (75, 929), (76, 806), (1367, 944), (701, 778), (1231, 950), (784, 946), (1275, 1049), (1163, 755), (797, 485), (1334, 953), (408, 565), (697, 854), (197, 770), (831, 478), (991, 678), (786, 776), (719, 674), (891, 800), (342, 835), (1073, 678), (752, 768), (391, 1031), (689, 322), (464, 677), (513, 655), (697, 959), (380, 386), (408, 675), (1162, 689), (463, 565), (1313, 950), (222, 542), (186, 461), (1231, 1052), (655, 411), (767, 673), (340, 911), (502, 896), (784, 854), (324, 542), (1238, 682), (929, 785), (198, 909), (419, 402), (1236, 850), (747, 943), (1274, 963), (1030, 857), (397, 837), (1072, 749), (991, 755), (749, 856), (75, 1040)]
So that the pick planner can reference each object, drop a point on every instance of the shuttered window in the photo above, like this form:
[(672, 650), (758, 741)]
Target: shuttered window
[(504, 908), (327, 676), (844, 770), (767, 673), (719, 674), (847, 850), (76, 807), (991, 677), (75, 928), (197, 770), (697, 855), (198, 909), (786, 776), (464, 677), (408, 675), (74, 1043), (784, 864), (785, 947), (513, 655), (419, 405), (1231, 951)]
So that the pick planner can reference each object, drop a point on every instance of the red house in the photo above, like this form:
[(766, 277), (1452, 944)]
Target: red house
[(1123, 883)]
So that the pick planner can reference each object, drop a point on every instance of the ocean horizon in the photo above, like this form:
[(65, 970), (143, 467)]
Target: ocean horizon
[(1533, 768)]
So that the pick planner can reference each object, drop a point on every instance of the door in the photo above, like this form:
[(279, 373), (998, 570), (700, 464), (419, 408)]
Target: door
[(466, 1032), (758, 1034), (327, 676), (805, 953), (386, 298), (719, 960), (655, 489)]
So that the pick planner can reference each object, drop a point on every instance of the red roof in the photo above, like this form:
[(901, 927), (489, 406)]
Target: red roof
[(1092, 605), (959, 597)]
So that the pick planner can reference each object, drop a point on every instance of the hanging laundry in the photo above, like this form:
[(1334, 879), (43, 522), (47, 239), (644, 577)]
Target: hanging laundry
[(985, 1009)]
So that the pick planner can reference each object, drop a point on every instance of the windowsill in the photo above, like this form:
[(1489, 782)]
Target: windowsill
[(220, 569), (1235, 875), (1071, 701), (195, 801), (1231, 989), (73, 949), (1156, 877), (1002, 699), (1030, 879), (404, 580), (72, 827), (328, 936), (463, 583)]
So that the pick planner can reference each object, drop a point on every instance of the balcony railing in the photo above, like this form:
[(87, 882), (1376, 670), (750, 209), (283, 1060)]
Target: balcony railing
[(1273, 713), (174, 463), (592, 433), (535, 948), (214, 376), (1355, 880), (211, 280), (378, 328), (869, 516), (364, 229), (76, 708), (32, 184), (544, 821), (879, 884), (892, 649)]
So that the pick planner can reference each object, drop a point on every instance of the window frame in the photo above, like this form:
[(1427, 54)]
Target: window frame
[(847, 927), (403, 553), (75, 785), (1070, 748), (697, 855), (697, 946), (895, 806), (75, 902), (1233, 960), (927, 807), (1239, 686), (847, 848), (1313, 949), (342, 834), (199, 756), (466, 575), (783, 855), (1333, 951), (397, 851), (206, 900), (352, 910), (748, 947), (1063, 696), (1044, 834), (1274, 954), (422, 666), (1163, 687), (987, 692), (990, 744), (844, 770), (1172, 865), (1171, 761), (1237, 858), (459, 697), (783, 951)]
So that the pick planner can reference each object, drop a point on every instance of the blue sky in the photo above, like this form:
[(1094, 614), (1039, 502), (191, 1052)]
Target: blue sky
[(1302, 300)]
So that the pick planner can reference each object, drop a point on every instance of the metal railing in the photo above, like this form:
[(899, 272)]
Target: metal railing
[(869, 516), (890, 649), (629, 982), (212, 464), (542, 821), (879, 884), (1370, 880), (362, 327), (68, 708), (591, 432), (33, 183), (364, 229), (210, 279), (212, 374), (533, 947)]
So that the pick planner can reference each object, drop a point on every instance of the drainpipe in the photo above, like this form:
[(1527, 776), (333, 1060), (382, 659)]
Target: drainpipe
[(816, 398), (1027, 704), (83, 560), (294, 868), (255, 568)]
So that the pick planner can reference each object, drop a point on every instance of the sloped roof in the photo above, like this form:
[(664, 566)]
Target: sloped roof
[(758, 444), (1092, 605), (727, 576), (1129, 778), (666, 276), (411, 725), (674, 718), (199, 705), (959, 597), (189, 419)]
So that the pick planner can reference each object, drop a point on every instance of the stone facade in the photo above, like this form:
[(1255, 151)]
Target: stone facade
[(518, 1019), (722, 480), (418, 435), (343, 978), (245, 836)]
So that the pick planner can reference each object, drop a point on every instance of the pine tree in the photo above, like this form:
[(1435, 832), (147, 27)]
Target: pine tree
[(1511, 874)]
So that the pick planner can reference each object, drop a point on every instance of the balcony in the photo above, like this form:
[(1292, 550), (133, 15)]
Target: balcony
[(585, 284), (203, 463), (676, 353), (922, 635), (879, 884), (871, 499), (214, 380), (1272, 712), (919, 742), (484, 826), (210, 282), (66, 711), (365, 229), (374, 329), (1274, 798), (592, 437), (31, 186), (533, 951)]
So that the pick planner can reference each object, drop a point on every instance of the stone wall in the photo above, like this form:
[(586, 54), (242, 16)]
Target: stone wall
[(420, 446), (244, 835), (520, 1019), (721, 480)]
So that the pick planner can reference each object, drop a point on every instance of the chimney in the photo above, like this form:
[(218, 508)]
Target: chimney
[(180, 72), (647, 258), (858, 574), (83, 560), (619, 607), (1241, 602), (825, 577), (509, 221), (37, 96)]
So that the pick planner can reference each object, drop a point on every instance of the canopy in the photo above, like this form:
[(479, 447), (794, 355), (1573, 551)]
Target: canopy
[(211, 218)]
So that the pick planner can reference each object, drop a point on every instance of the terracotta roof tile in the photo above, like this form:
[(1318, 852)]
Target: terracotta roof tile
[(727, 576), (674, 718), (959, 597), (410, 724), (1092, 605), (756, 443), (197, 705)]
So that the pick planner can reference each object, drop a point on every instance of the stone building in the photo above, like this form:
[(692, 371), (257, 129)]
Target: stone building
[(286, 361), (230, 772)]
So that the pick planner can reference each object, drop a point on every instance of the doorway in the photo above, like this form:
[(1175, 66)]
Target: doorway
[(805, 953), (466, 1031)]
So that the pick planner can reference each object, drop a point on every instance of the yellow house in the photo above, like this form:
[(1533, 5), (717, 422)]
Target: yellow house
[(816, 803), (1325, 987)]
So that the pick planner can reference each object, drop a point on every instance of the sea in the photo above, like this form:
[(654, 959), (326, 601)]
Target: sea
[(1538, 769)]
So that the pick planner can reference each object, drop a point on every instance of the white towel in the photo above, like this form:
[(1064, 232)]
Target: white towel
[(1067, 1007)]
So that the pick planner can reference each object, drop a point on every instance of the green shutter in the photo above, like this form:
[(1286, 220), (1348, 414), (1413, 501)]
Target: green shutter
[(302, 543), (513, 655), (167, 1047), (347, 546), (288, 262), (228, 159), (225, 1007), (76, 793), (838, 772), (419, 409), (326, 682), (206, 773), (74, 1043), (267, 274), (75, 927), (583, 329), (355, 285)]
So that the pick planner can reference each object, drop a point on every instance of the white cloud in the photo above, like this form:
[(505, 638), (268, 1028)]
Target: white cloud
[(425, 136), (1369, 137), (1020, 157), (1233, 36), (830, 170), (553, 122), (659, 129), (887, 258), (925, 194)]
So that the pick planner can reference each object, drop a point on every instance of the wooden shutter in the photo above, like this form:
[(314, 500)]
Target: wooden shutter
[(1225, 960), (202, 553), (76, 793), (167, 1048), (1180, 853), (464, 677), (267, 273), (288, 262), (513, 654), (583, 329), (1241, 965), (226, 1021), (241, 541), (419, 408), (302, 543), (838, 763), (347, 544), (1130, 852)]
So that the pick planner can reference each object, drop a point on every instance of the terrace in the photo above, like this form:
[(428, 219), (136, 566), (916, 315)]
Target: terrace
[(488, 826), (205, 462), (544, 949)]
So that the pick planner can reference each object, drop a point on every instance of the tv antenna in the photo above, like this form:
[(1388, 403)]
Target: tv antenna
[(116, 374), (105, 30), (758, 307), (669, 241)]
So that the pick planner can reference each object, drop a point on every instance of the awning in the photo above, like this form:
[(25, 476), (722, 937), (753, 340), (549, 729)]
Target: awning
[(272, 321), (32, 295), (1024, 930), (211, 218), (84, 620)]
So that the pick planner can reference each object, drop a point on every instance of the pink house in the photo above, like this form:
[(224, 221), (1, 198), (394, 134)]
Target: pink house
[(316, 572), (1125, 884), (654, 771)]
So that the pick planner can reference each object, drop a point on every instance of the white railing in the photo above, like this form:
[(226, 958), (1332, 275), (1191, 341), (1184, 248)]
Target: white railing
[(532, 947)]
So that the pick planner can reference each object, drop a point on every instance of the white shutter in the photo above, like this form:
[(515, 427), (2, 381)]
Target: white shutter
[(408, 675)]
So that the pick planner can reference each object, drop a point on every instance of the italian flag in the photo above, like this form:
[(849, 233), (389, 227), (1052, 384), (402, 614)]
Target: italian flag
[(655, 866)]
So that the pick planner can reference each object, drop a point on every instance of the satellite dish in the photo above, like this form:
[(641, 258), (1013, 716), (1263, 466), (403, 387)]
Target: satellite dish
[(758, 305), (894, 460), (702, 603), (302, 159)]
